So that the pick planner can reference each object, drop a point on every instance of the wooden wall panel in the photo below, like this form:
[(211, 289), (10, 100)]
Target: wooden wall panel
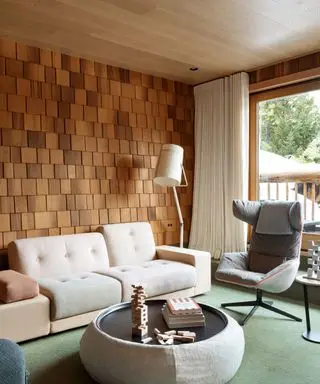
[(285, 68), (79, 142)]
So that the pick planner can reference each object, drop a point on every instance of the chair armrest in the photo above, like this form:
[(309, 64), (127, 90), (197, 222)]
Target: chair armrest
[(199, 259), (280, 278)]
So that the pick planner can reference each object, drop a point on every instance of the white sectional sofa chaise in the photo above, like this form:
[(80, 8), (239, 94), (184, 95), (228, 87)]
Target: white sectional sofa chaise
[(83, 273)]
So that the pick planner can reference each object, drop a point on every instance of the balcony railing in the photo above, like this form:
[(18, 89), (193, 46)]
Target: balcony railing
[(304, 187)]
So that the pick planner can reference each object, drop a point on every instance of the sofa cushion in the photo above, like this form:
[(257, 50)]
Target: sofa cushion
[(233, 268), (129, 243), (158, 276), (14, 287), (58, 255), (74, 294)]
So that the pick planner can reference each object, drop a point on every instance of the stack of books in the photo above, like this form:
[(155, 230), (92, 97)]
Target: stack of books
[(183, 313)]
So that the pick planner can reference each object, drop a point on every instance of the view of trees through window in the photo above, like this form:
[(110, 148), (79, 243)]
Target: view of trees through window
[(290, 126), (289, 158)]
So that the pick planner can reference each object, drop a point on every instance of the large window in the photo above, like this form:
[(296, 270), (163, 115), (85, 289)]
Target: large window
[(285, 148)]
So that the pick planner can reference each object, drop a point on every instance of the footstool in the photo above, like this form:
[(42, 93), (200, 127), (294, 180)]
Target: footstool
[(12, 363), (110, 354)]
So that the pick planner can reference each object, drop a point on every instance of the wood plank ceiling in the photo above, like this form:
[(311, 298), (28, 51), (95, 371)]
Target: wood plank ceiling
[(167, 37)]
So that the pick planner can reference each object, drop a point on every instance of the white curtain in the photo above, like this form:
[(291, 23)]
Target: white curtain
[(221, 164)]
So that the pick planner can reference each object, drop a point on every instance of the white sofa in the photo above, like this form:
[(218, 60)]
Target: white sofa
[(166, 271), (67, 269), (84, 273)]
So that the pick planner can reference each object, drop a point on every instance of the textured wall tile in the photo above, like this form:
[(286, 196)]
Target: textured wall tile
[(79, 143), (27, 53), (45, 220), (284, 68)]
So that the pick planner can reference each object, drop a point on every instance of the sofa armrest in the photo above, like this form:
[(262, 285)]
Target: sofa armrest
[(199, 259)]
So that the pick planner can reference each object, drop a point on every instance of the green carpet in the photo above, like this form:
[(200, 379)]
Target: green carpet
[(275, 351)]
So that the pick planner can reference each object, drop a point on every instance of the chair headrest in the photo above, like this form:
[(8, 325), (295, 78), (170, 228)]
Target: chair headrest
[(270, 217), (274, 218)]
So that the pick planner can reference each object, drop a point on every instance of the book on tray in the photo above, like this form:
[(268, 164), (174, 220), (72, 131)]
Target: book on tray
[(181, 306), (183, 313)]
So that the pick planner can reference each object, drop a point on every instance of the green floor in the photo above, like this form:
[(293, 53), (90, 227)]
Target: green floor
[(275, 352)]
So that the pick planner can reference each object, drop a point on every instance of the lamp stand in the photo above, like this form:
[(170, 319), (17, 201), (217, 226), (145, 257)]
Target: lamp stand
[(178, 205), (179, 214)]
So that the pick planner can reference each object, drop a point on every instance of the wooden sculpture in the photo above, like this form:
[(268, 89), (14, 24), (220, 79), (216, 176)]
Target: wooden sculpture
[(139, 312), (169, 337)]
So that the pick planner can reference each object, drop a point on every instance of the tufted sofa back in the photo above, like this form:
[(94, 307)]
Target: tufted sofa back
[(129, 243), (59, 255)]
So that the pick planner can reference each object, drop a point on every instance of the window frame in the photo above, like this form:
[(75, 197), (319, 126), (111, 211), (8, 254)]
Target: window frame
[(254, 99)]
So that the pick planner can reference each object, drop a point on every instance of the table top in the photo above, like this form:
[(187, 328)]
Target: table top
[(301, 279), (116, 321)]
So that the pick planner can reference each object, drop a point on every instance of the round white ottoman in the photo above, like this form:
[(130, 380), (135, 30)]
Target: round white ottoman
[(111, 360)]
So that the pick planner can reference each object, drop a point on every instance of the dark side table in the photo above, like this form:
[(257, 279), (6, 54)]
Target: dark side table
[(308, 335)]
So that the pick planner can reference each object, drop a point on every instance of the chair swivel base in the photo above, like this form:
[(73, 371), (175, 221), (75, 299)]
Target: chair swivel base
[(256, 304)]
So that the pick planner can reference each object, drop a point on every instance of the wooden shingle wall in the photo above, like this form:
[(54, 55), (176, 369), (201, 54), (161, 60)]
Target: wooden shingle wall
[(284, 68), (79, 142)]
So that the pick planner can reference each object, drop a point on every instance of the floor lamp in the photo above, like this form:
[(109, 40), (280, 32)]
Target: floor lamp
[(168, 173)]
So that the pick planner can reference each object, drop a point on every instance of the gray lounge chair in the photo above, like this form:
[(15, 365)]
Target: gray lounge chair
[(273, 259)]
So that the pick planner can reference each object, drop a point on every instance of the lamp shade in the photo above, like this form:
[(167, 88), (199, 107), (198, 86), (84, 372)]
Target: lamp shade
[(169, 166)]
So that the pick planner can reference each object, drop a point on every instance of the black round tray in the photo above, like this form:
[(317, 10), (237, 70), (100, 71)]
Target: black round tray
[(116, 321)]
